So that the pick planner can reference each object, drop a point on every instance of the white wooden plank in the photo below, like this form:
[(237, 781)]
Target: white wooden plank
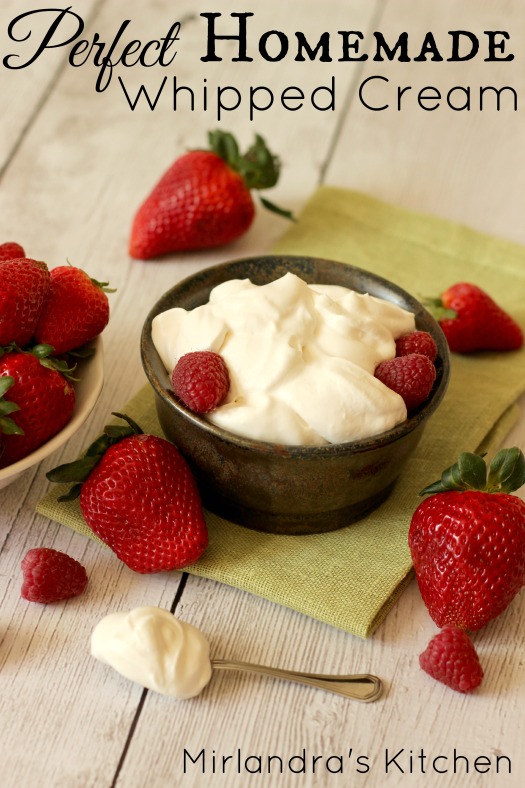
[(70, 193)]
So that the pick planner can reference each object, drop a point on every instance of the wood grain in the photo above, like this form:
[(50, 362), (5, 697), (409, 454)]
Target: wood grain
[(74, 165)]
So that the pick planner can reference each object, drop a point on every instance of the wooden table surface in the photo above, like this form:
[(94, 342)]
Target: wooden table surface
[(74, 165)]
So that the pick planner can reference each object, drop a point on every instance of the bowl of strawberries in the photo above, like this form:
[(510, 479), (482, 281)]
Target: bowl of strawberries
[(51, 361), (375, 356)]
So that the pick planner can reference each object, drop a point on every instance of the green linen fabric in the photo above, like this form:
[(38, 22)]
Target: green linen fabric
[(352, 577)]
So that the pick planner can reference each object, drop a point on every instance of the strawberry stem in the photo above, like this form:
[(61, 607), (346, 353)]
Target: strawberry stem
[(438, 310), (104, 286), (505, 474), (258, 167)]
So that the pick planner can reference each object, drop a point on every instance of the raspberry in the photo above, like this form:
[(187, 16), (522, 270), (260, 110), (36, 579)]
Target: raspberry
[(417, 342), (451, 658), (50, 575), (412, 377), (10, 251), (201, 380)]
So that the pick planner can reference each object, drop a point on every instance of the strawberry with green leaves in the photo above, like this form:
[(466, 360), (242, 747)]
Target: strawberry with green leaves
[(24, 284), (204, 199), (138, 495), (471, 320), (467, 540), (76, 309), (36, 400)]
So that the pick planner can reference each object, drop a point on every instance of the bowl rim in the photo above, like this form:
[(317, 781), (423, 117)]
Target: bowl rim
[(294, 450), (83, 407)]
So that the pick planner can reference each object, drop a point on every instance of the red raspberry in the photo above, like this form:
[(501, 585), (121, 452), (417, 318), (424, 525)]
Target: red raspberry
[(10, 251), (451, 658), (412, 377), (50, 576), (417, 342), (201, 380)]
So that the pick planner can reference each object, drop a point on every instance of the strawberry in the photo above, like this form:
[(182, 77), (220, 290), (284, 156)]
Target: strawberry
[(11, 251), (138, 495), (204, 200), (201, 380), (417, 342), (42, 396), (23, 287), (467, 540), (50, 576), (412, 377), (451, 658), (472, 321), (75, 311)]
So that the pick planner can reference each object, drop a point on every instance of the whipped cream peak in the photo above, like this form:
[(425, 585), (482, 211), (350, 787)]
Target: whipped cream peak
[(301, 358), (152, 647)]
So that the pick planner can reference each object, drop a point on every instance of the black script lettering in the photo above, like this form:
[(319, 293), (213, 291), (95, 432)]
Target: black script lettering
[(45, 43)]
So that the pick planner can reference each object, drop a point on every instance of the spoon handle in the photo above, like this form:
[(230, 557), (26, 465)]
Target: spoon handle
[(363, 687)]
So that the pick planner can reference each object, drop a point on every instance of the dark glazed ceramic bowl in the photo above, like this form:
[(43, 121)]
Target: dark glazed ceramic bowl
[(273, 487)]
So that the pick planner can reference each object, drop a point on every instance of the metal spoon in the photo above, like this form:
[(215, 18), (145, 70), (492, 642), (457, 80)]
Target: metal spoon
[(363, 687)]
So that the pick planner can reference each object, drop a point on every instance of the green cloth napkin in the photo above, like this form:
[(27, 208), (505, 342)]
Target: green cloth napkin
[(351, 578)]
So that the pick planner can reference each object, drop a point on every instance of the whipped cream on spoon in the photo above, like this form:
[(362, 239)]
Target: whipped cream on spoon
[(152, 647)]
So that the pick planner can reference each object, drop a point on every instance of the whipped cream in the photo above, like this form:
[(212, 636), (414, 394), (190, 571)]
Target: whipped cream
[(301, 358), (153, 648)]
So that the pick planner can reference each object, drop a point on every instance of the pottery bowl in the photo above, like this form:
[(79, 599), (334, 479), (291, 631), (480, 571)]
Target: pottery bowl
[(278, 488)]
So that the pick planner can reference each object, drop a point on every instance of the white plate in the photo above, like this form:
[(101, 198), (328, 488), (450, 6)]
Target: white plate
[(87, 390)]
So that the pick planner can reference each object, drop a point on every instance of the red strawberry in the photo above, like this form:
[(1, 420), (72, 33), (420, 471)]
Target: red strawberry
[(11, 251), (412, 377), (42, 397), (23, 287), (451, 658), (204, 199), (201, 380), (475, 322), (76, 310), (417, 342), (50, 575), (467, 540), (138, 496)]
